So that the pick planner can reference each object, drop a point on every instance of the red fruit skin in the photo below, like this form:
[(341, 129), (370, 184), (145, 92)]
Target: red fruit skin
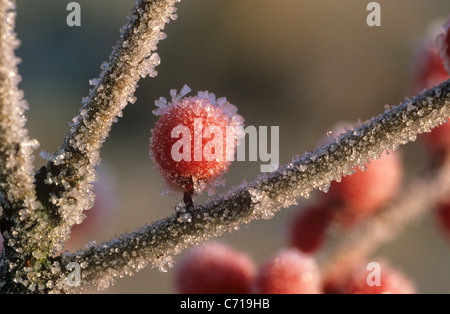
[(429, 69), (438, 140), (392, 281), (363, 192), (442, 214), (308, 227), (182, 112), (432, 68), (288, 272), (214, 269), (443, 42)]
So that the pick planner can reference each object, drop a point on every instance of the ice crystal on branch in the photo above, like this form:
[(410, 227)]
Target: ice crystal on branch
[(69, 175), (64, 187), (16, 148)]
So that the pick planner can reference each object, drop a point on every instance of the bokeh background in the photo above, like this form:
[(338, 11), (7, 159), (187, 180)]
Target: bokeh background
[(302, 65)]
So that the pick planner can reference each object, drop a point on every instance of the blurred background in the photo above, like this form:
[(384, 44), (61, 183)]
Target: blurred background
[(302, 65)]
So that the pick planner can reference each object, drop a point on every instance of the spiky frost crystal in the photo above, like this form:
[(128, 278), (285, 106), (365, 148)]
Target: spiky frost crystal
[(192, 117)]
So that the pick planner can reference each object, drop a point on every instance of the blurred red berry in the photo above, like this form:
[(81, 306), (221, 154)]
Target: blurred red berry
[(193, 117), (214, 269), (307, 228), (288, 272), (443, 42), (335, 277), (438, 140), (391, 281), (429, 69), (364, 192), (443, 217)]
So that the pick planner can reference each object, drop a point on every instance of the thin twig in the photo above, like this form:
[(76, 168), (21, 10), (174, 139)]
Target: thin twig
[(65, 185)]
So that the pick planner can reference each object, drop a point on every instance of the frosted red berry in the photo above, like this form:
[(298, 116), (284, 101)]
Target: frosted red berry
[(364, 192), (392, 281), (214, 268), (307, 229), (194, 162), (443, 217), (288, 272)]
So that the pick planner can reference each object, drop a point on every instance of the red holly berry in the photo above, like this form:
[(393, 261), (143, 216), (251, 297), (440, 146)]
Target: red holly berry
[(214, 268), (391, 281), (443, 217), (307, 228), (364, 192), (288, 272), (193, 141)]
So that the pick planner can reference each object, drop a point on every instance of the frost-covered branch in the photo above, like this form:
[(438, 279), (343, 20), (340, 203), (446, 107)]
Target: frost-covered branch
[(343, 247), (38, 217), (17, 192), (65, 185), (16, 149), (261, 198)]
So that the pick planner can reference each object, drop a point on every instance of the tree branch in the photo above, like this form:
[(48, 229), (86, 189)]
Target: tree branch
[(65, 185), (261, 198), (16, 149), (17, 191)]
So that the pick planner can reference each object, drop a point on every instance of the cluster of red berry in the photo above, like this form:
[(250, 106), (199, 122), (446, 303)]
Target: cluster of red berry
[(216, 268)]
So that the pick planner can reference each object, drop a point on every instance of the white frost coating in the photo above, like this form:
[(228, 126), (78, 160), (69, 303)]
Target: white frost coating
[(263, 197), (17, 193), (16, 148)]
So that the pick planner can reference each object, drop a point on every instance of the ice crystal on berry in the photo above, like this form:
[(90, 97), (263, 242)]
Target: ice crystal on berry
[(193, 138)]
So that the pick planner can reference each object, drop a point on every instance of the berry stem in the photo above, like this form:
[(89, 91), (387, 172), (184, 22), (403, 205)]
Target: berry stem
[(188, 195)]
